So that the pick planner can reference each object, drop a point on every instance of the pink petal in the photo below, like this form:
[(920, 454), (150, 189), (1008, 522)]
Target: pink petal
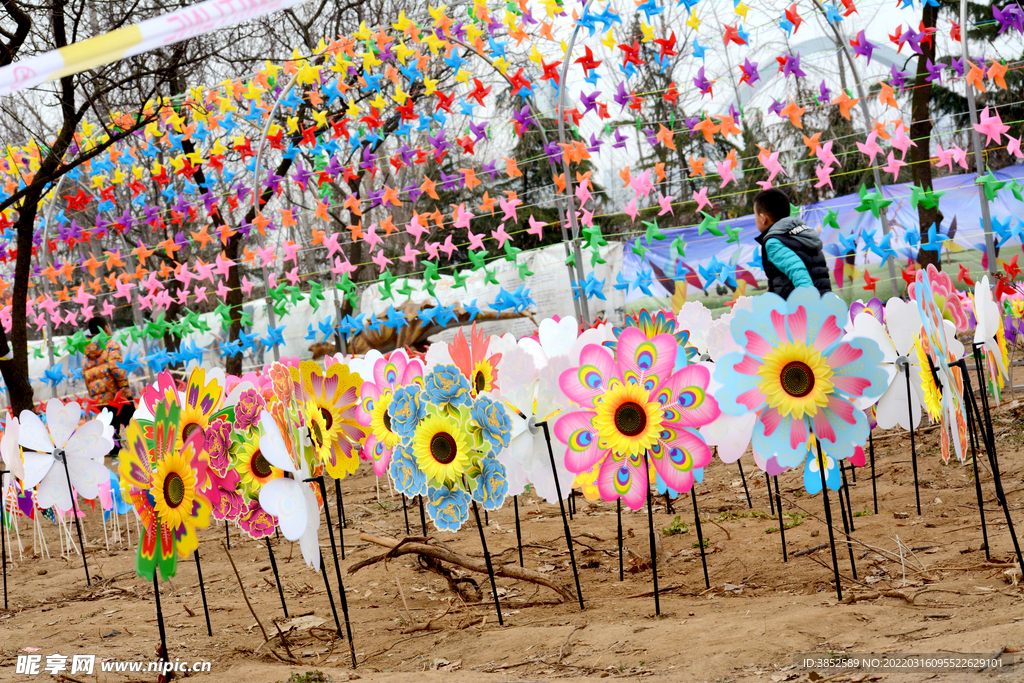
[(576, 431), (823, 428), (779, 323), (797, 432), (852, 386), (771, 421), (757, 345), (798, 325), (842, 408), (844, 355), (753, 399), (828, 334), (748, 366)]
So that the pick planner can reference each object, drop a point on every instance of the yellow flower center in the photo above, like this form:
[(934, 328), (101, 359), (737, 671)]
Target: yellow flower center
[(630, 419), (795, 380), (260, 466)]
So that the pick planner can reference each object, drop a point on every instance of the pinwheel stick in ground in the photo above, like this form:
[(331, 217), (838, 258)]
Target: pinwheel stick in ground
[(202, 590), (427, 549), (277, 577), (3, 538)]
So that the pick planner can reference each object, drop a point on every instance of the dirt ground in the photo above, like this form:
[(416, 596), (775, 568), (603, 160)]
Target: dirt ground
[(924, 586)]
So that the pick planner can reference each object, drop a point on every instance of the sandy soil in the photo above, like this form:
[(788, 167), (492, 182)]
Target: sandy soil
[(943, 597)]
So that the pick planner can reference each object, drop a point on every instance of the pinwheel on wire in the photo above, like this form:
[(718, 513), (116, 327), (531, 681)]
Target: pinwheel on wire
[(449, 443), (798, 375)]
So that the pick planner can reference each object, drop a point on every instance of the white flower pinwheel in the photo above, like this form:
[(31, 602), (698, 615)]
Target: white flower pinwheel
[(529, 383), (990, 336), (10, 458), (290, 498), (61, 442), (694, 317), (896, 340)]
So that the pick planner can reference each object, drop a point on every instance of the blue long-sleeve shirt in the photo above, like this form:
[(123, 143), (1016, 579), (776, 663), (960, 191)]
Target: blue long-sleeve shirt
[(787, 260)]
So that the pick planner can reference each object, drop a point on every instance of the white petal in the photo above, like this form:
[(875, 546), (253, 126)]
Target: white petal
[(272, 445), (87, 476), (33, 433), (53, 489), (36, 467), (62, 418), (309, 543), (904, 323), (866, 326), (557, 337), (731, 434), (89, 442), (284, 499)]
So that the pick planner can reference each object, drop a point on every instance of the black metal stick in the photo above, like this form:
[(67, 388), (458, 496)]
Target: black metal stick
[(405, 511), (337, 568), (202, 591), (3, 536), (846, 487), (750, 503), (78, 522), (993, 462), (277, 577), (423, 515), (227, 534), (846, 528), (768, 481), (700, 534), (341, 515), (565, 522), (618, 512), (490, 568), (975, 447), (828, 521), (913, 445), (982, 379), (160, 616), (650, 534), (330, 596), (874, 483), (519, 531), (782, 523)]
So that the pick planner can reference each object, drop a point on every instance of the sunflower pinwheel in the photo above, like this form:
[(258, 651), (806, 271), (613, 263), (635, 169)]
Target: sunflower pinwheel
[(472, 360), (387, 375), (327, 402), (162, 481), (632, 404), (448, 446), (798, 375)]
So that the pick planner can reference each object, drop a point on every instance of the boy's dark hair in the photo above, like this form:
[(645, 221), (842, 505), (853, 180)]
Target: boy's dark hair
[(96, 325), (773, 202)]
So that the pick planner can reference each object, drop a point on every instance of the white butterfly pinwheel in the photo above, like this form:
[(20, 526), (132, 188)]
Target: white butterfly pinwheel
[(290, 498), (61, 443), (896, 340)]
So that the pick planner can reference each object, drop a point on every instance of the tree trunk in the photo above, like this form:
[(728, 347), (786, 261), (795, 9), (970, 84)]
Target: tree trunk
[(15, 371), (921, 132)]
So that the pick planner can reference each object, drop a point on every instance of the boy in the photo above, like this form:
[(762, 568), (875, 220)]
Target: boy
[(790, 250)]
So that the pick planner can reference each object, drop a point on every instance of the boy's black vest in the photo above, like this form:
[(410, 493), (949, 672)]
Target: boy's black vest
[(806, 244)]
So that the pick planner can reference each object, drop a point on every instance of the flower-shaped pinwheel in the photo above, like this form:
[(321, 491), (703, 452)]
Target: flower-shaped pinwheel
[(990, 336), (632, 404), (530, 375), (386, 376), (11, 460), (896, 340), (796, 372), (662, 322), (201, 402), (162, 481), (471, 359), (448, 442), (943, 293), (937, 349), (53, 451), (328, 403)]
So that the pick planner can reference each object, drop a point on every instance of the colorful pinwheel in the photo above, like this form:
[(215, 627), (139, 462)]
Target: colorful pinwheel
[(449, 443), (385, 377), (798, 375), (328, 403), (632, 404)]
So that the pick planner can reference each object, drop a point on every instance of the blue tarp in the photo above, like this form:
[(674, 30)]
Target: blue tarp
[(960, 202)]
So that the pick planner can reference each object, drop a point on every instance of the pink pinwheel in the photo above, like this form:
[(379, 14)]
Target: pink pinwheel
[(946, 296), (631, 404), (379, 385)]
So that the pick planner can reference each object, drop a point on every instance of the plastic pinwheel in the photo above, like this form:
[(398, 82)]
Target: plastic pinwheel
[(382, 377), (632, 405), (943, 293), (449, 446), (59, 449), (328, 403), (799, 376), (471, 358), (159, 474), (943, 384), (530, 375), (662, 322), (990, 336), (289, 498), (896, 339)]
